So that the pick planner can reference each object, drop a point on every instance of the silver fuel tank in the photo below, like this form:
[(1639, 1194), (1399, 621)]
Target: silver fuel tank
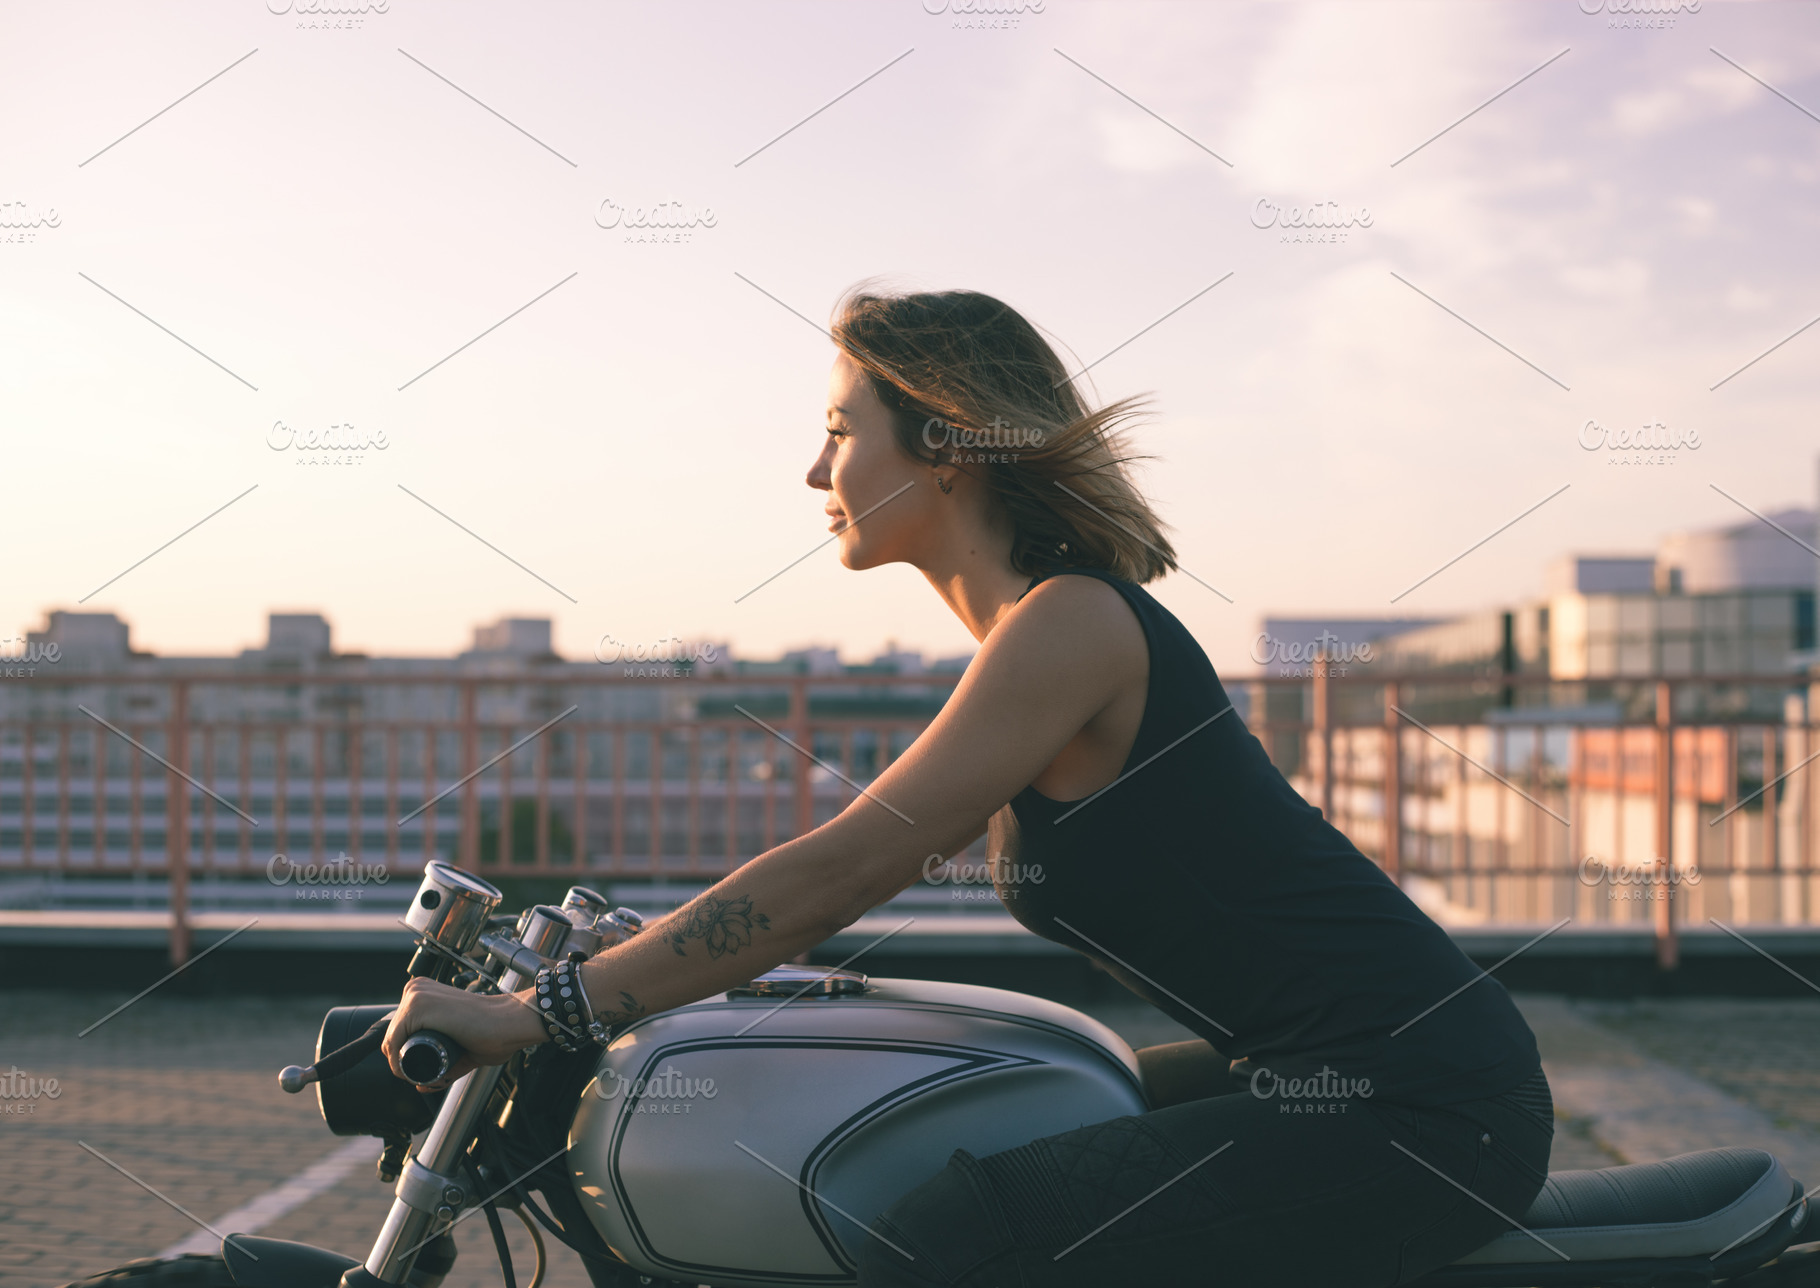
[(748, 1140)]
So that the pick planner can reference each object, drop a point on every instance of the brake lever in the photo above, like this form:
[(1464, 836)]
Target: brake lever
[(294, 1078)]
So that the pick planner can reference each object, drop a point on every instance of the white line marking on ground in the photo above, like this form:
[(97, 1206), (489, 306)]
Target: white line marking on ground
[(252, 1217)]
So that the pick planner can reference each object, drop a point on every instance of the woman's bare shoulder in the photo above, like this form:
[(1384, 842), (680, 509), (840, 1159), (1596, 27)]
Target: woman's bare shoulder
[(1085, 615)]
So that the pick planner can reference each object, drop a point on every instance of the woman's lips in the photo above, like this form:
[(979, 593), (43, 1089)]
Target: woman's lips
[(837, 522)]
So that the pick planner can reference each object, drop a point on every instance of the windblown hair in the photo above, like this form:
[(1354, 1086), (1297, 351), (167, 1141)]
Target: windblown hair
[(959, 368)]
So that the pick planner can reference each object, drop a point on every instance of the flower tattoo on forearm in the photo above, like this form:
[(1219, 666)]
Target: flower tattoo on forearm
[(724, 925)]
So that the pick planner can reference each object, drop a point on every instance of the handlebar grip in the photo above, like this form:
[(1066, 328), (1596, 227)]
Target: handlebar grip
[(427, 1056)]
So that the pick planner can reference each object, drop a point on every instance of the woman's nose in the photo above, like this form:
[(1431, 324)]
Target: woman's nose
[(821, 473)]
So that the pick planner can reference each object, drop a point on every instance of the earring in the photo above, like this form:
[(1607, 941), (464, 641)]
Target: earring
[(942, 482)]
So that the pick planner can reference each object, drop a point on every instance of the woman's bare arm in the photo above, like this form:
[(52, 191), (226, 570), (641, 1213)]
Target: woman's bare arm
[(1055, 662)]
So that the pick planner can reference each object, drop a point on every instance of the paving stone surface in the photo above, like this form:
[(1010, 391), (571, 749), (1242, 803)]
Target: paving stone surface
[(1649, 1080), (1765, 1053), (183, 1094)]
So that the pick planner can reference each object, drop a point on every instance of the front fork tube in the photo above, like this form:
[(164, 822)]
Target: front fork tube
[(431, 1191)]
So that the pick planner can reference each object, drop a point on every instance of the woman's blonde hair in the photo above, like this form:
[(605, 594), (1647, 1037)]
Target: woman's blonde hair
[(969, 380)]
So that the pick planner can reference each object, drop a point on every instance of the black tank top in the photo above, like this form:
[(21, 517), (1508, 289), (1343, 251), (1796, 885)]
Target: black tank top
[(1205, 884)]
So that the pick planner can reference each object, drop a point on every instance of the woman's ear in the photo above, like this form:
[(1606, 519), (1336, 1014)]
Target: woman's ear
[(943, 473)]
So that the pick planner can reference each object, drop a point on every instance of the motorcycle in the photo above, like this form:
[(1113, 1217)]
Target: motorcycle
[(750, 1138)]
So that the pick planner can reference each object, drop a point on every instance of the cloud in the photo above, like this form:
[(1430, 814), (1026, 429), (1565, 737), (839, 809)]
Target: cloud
[(1745, 299), (1697, 214), (1624, 279)]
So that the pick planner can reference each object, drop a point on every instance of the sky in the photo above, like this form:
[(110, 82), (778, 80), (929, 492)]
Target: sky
[(393, 220)]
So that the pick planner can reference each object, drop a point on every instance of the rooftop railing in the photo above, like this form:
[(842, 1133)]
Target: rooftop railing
[(1663, 802), (1487, 811)]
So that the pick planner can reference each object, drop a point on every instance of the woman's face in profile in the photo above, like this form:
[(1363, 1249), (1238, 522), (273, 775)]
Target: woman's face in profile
[(861, 465)]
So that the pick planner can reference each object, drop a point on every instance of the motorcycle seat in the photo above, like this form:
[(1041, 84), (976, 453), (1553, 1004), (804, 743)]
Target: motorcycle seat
[(1692, 1205)]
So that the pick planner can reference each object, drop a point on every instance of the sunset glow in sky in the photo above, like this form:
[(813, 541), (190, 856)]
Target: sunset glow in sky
[(327, 222)]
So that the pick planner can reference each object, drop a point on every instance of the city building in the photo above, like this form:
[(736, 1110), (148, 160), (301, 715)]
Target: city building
[(527, 638), (88, 640), (1731, 600), (614, 763)]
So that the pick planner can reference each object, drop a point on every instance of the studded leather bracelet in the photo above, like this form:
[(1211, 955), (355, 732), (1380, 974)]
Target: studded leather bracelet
[(562, 1004)]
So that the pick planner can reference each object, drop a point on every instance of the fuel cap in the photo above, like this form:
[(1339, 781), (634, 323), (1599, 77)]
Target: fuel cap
[(802, 981)]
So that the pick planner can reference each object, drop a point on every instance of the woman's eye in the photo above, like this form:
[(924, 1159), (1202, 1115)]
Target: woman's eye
[(836, 433)]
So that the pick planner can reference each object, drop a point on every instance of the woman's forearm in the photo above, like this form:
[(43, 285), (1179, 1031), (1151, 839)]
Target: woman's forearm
[(771, 910)]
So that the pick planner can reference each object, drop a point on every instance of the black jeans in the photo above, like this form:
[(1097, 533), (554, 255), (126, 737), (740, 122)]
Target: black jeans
[(1234, 1189)]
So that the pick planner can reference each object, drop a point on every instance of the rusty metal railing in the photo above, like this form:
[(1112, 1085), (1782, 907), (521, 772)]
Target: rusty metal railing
[(1667, 812), (592, 776), (696, 782)]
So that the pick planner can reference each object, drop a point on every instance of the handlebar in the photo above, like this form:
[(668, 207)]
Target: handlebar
[(427, 1056), (425, 1052)]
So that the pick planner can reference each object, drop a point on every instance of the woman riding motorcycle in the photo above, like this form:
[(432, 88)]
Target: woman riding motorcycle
[(1376, 1103)]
